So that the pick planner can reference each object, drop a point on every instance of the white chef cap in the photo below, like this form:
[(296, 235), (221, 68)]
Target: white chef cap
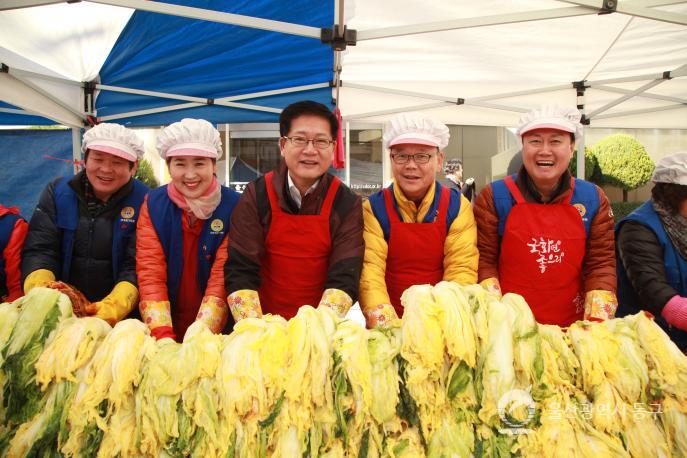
[(671, 169), (415, 128), (556, 117), (113, 139), (189, 137)]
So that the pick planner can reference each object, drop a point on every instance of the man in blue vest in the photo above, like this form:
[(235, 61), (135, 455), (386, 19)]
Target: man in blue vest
[(652, 252), (81, 237)]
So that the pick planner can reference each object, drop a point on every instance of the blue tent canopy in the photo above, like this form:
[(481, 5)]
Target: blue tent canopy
[(166, 65), (209, 60)]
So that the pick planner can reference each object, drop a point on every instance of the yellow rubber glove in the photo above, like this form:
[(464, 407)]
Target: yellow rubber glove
[(116, 306), (39, 277), (158, 316), (213, 312), (600, 305), (492, 286), (244, 303), (382, 316), (337, 300)]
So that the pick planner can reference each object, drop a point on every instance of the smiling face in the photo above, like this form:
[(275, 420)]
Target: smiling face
[(415, 179), (107, 173), (546, 154), (307, 164), (191, 175)]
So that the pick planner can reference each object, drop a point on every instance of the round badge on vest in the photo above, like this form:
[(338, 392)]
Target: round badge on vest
[(128, 212), (217, 225), (580, 208)]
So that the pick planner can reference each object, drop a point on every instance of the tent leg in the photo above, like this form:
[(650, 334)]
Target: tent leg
[(76, 148), (227, 159), (348, 154), (580, 89)]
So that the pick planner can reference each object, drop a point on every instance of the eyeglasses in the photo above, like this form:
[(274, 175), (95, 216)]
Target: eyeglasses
[(302, 142), (419, 158)]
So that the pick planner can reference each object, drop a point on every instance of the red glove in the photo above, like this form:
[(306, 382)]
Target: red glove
[(675, 312), (162, 332)]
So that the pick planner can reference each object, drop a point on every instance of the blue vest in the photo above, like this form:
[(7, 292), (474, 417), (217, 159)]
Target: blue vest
[(124, 225), (166, 219), (379, 208), (7, 223), (674, 264), (585, 196)]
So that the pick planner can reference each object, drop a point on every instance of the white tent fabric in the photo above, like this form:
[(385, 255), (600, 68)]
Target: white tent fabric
[(478, 50), (48, 47), (469, 53)]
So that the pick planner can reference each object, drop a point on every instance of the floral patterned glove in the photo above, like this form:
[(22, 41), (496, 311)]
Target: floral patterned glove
[(600, 305), (158, 317), (381, 316), (213, 312), (492, 286), (244, 303), (336, 300)]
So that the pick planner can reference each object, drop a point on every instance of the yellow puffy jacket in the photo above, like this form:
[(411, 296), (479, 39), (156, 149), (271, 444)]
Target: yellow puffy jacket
[(460, 248)]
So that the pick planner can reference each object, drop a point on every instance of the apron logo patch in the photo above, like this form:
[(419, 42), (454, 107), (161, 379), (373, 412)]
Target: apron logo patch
[(216, 225), (547, 252), (128, 212), (581, 208)]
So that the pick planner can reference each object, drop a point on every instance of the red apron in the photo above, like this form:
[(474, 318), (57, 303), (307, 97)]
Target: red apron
[(189, 297), (416, 250), (296, 260), (542, 250)]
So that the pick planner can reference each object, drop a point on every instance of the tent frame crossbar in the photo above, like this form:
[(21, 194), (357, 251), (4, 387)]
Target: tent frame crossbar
[(467, 23), (483, 101), (216, 16), (22, 78), (648, 95), (194, 102), (635, 9), (17, 4)]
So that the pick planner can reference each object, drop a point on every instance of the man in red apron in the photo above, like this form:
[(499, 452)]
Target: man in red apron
[(416, 230), (546, 235), (296, 234)]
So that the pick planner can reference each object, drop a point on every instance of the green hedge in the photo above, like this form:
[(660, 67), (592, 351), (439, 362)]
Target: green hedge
[(622, 209), (146, 174)]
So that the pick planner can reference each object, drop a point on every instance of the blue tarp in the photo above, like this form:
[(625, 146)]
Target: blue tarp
[(26, 169), (162, 53)]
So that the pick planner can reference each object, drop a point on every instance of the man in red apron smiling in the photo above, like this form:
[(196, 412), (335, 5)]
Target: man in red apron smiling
[(296, 234), (416, 231), (546, 235)]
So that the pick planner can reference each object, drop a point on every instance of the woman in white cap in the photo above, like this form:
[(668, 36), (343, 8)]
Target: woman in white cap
[(652, 252), (544, 234), (416, 230), (81, 237), (182, 235)]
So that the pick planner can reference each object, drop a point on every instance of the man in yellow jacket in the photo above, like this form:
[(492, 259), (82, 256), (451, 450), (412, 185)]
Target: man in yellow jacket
[(416, 231)]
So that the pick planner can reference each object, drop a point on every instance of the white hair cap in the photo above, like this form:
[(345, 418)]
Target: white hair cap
[(556, 117), (189, 137), (415, 128), (671, 169), (113, 139)]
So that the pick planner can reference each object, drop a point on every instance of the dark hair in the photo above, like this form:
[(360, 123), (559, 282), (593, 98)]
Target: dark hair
[(306, 107), (85, 158), (671, 195)]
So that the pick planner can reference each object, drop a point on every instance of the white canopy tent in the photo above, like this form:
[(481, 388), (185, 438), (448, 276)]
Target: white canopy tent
[(466, 62), (484, 63)]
